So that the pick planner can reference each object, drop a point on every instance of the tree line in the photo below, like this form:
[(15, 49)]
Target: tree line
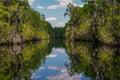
[(19, 22), (97, 20)]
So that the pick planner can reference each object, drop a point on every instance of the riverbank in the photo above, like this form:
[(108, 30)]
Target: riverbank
[(20, 23), (93, 42), (94, 23)]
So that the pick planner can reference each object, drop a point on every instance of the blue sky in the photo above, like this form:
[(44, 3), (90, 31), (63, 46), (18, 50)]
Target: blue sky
[(54, 9)]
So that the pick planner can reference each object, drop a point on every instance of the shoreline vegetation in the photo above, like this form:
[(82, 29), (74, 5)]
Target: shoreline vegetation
[(20, 23), (97, 22)]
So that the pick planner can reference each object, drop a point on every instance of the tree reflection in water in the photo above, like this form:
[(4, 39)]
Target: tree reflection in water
[(100, 62), (19, 61)]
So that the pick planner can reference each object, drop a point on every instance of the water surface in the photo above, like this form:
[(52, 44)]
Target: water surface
[(59, 60)]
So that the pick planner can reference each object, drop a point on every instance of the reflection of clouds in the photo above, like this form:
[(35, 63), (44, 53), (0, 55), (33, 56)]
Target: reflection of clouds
[(61, 50), (52, 55), (63, 75), (63, 70), (41, 68), (34, 76), (53, 68)]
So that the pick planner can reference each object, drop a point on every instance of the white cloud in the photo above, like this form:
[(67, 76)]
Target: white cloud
[(31, 1), (52, 7), (41, 68), (53, 68), (40, 7), (81, 5), (62, 4), (51, 19), (60, 24), (64, 75), (61, 50), (52, 55)]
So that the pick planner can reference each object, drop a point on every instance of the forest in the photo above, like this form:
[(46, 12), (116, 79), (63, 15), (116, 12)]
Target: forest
[(86, 48), (20, 23), (97, 21)]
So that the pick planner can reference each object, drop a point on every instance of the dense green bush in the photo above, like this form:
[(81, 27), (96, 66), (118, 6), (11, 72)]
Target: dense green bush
[(18, 22), (97, 20)]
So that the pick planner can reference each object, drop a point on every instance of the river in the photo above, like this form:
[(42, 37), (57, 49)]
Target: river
[(59, 60)]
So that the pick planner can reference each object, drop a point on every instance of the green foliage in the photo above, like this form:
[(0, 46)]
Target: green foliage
[(17, 61), (59, 32), (18, 19), (93, 60), (98, 20)]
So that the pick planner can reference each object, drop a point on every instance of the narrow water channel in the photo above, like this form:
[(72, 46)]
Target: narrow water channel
[(59, 60), (55, 68)]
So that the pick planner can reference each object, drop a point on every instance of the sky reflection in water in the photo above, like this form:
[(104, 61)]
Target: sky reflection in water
[(54, 68)]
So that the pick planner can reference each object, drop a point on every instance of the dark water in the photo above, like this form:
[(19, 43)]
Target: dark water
[(59, 60)]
